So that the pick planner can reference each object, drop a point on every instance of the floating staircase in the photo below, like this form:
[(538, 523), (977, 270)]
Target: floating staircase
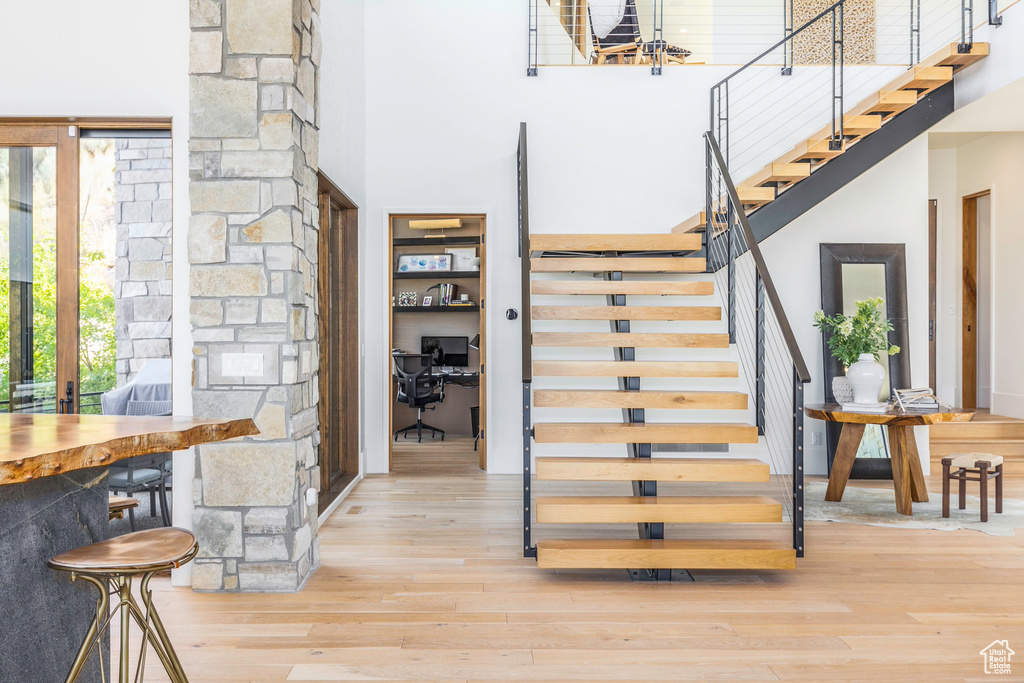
[(624, 266), (868, 116)]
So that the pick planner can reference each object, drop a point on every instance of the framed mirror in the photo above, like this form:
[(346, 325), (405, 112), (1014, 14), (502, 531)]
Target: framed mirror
[(851, 273)]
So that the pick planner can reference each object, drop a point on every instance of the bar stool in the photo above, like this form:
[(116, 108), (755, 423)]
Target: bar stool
[(116, 505), (110, 566)]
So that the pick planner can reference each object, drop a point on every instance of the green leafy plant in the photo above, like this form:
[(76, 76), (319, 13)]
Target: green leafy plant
[(866, 331)]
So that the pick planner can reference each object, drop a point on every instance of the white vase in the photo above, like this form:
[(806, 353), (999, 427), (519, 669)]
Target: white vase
[(842, 392), (866, 377)]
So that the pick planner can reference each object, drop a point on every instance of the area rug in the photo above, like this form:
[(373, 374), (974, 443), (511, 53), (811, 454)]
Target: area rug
[(877, 507)]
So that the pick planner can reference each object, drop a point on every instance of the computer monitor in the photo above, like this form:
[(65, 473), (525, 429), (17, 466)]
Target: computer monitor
[(452, 351)]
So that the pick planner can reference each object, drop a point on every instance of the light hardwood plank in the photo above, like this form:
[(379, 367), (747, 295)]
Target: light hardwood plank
[(694, 400), (599, 242), (649, 340), (689, 264), (595, 432), (640, 368), (598, 554), (627, 313), (651, 469), (668, 509), (611, 287)]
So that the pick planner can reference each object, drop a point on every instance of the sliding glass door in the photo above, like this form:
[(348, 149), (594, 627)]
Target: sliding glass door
[(38, 337)]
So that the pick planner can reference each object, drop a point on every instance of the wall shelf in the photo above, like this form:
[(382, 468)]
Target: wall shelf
[(437, 309), (441, 275), (440, 241)]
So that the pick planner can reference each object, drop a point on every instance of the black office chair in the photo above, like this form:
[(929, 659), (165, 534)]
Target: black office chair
[(416, 387)]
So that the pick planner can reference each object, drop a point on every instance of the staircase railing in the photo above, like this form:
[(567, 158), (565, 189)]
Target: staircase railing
[(770, 358), (760, 111), (523, 185)]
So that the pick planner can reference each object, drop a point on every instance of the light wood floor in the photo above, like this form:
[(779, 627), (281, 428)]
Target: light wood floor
[(422, 578)]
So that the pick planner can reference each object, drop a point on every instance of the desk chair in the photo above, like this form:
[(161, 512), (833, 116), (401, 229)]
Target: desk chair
[(416, 388)]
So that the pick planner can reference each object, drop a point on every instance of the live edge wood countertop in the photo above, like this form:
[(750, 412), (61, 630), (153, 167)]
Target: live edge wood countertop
[(42, 445)]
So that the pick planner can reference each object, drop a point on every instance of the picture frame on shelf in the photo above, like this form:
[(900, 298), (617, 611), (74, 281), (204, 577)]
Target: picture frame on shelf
[(427, 300), (407, 298), (419, 263)]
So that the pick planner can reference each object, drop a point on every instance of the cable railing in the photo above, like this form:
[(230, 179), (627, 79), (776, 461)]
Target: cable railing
[(526, 344), (808, 80), (771, 363), (735, 32)]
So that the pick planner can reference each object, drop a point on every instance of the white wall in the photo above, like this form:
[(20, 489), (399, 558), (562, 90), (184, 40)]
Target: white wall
[(887, 204), (115, 58), (994, 161), (610, 150), (343, 136)]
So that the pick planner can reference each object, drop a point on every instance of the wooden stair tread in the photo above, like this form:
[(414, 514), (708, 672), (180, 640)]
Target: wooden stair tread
[(692, 400), (657, 432), (950, 55), (627, 312), (625, 368), (560, 468), (623, 264), (664, 554), (646, 340), (779, 173), (612, 287), (598, 242), (653, 509)]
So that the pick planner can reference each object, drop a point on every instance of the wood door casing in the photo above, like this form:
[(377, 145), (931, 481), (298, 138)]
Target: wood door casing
[(338, 326), (969, 302)]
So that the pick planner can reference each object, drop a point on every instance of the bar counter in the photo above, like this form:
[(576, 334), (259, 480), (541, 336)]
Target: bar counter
[(53, 498)]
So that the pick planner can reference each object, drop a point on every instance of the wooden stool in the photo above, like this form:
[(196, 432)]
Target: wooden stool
[(110, 566), (116, 505), (983, 465)]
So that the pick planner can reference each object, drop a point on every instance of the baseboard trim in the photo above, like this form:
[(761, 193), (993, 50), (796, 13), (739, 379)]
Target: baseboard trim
[(1008, 405), (337, 501)]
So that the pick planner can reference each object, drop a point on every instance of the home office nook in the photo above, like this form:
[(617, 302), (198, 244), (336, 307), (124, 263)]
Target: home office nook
[(437, 329)]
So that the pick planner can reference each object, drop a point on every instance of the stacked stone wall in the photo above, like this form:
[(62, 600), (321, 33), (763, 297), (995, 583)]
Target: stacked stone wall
[(252, 246), (142, 273)]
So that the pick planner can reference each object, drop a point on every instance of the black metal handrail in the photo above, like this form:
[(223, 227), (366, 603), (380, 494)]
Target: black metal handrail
[(523, 185), (524, 251), (762, 269)]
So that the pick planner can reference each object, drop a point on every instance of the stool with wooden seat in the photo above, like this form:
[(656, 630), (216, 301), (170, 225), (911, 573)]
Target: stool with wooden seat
[(116, 505), (110, 566), (984, 467)]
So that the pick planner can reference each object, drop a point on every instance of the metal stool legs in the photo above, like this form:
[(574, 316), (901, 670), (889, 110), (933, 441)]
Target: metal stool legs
[(148, 620)]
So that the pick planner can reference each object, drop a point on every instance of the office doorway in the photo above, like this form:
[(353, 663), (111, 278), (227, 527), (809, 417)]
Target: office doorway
[(437, 347), (338, 295), (976, 327)]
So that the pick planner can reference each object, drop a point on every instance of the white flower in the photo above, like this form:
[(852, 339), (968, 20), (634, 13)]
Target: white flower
[(846, 327)]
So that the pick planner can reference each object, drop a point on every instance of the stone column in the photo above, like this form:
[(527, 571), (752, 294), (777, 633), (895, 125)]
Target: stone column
[(252, 247), (142, 275)]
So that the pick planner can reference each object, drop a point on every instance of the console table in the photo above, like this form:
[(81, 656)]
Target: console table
[(907, 476), (53, 498)]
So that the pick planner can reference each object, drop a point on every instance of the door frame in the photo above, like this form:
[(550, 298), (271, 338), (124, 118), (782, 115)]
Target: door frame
[(64, 133), (969, 300), (339, 396)]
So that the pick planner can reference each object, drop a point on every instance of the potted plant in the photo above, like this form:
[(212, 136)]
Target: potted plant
[(856, 341)]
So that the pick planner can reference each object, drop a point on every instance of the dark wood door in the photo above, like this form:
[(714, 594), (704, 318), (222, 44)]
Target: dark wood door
[(338, 406), (933, 236), (969, 305)]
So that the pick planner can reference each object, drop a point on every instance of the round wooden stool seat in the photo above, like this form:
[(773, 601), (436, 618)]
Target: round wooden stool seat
[(116, 506), (134, 553), (968, 459)]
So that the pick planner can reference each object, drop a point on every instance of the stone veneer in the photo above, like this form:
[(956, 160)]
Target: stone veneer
[(252, 246), (142, 275)]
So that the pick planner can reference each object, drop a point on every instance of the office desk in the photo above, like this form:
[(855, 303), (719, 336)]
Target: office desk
[(469, 379)]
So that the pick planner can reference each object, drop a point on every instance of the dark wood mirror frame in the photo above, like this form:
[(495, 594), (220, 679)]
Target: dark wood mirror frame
[(893, 257)]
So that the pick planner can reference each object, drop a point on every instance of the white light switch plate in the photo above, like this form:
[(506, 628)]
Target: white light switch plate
[(242, 364)]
